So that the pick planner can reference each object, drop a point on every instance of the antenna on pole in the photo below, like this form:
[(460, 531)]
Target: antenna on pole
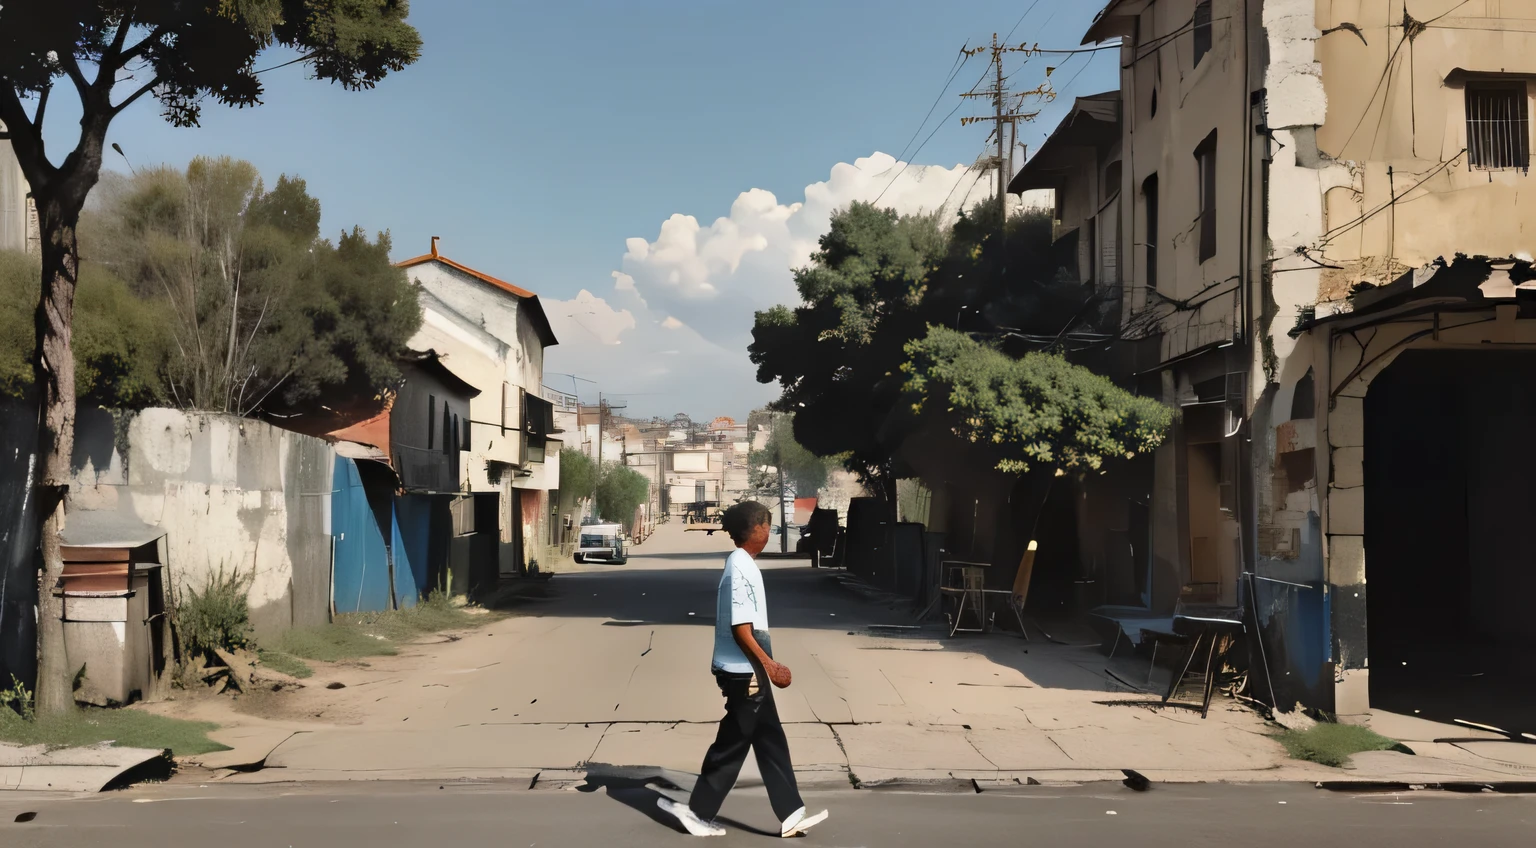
[(1005, 112)]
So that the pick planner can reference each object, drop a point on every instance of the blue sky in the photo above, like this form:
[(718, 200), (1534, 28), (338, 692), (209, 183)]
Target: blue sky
[(535, 138)]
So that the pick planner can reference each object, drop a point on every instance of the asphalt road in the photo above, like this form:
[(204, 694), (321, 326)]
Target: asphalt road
[(401, 814)]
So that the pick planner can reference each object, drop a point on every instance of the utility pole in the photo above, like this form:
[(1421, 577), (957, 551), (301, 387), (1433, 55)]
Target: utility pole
[(1005, 114), (778, 462), (997, 101), (598, 476)]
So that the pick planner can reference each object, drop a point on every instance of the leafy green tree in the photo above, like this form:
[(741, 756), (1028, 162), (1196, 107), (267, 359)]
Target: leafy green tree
[(121, 344), (1037, 412), (879, 282), (265, 315), (620, 491), (804, 472), (578, 476), (110, 54), (837, 356)]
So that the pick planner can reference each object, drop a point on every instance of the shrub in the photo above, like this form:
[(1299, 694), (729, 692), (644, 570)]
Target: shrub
[(217, 618)]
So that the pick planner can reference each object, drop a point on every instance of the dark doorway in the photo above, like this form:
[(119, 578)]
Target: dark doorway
[(1450, 544)]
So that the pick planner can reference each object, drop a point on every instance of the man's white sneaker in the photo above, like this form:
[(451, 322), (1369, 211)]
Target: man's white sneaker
[(691, 822), (798, 822)]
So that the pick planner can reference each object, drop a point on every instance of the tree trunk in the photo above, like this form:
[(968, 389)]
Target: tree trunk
[(54, 368)]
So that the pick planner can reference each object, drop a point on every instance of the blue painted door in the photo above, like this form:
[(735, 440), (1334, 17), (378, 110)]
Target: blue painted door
[(361, 579)]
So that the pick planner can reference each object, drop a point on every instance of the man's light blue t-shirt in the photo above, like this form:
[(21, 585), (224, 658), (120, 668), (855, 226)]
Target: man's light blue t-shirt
[(740, 600)]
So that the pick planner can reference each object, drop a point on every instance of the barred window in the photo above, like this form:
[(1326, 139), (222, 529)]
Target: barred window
[(1498, 125)]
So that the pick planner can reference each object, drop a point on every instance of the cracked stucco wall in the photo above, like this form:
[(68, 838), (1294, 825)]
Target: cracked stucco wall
[(229, 493), (1369, 180)]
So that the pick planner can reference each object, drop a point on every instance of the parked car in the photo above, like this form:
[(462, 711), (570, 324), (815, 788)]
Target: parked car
[(602, 543)]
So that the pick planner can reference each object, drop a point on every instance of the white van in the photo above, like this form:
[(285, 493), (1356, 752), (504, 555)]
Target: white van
[(602, 543)]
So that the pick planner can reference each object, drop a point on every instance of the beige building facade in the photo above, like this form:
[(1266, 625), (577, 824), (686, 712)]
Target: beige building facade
[(1325, 265)]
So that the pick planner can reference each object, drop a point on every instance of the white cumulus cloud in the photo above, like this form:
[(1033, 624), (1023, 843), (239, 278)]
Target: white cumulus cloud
[(681, 306)]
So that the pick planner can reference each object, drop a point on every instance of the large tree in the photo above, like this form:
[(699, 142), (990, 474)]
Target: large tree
[(1036, 413), (266, 316), (879, 281), (110, 54)]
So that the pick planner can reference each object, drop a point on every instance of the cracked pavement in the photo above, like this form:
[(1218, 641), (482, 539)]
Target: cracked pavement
[(611, 665)]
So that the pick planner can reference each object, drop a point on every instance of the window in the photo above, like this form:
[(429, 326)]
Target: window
[(431, 419), (1149, 197), (448, 428), (1205, 156), (538, 423), (465, 446), (1202, 30), (1498, 125)]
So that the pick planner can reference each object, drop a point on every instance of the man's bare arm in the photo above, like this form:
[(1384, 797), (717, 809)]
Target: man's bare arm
[(776, 673)]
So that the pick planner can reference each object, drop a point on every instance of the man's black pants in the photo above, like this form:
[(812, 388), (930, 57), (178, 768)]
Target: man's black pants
[(751, 721)]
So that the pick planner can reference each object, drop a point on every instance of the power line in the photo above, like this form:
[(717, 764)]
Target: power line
[(960, 59), (1021, 20), (936, 129)]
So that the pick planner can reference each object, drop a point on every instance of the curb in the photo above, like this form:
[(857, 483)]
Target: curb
[(1502, 787)]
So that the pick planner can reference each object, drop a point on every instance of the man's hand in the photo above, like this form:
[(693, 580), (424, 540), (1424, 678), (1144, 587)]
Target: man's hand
[(778, 674)]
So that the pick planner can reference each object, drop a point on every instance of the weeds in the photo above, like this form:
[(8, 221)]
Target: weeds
[(285, 663), (19, 699), (217, 619), (374, 634)]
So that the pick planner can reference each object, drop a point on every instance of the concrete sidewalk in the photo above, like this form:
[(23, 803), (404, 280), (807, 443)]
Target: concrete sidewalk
[(610, 666)]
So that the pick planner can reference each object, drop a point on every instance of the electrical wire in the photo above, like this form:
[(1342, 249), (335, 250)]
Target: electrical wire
[(1453, 10), (1385, 74), (1346, 227), (936, 129), (960, 59), (1020, 20)]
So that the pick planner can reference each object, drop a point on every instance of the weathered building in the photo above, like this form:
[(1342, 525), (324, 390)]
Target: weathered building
[(1324, 264), (492, 335)]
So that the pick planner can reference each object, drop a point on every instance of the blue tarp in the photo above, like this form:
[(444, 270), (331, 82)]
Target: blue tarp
[(361, 578)]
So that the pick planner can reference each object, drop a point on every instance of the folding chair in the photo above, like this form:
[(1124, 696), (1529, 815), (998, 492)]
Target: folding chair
[(971, 591), (1020, 591)]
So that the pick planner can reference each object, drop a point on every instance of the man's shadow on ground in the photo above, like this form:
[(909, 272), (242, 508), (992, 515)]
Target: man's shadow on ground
[(640, 790)]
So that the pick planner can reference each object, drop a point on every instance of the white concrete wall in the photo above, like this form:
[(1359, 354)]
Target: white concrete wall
[(228, 493), (480, 359)]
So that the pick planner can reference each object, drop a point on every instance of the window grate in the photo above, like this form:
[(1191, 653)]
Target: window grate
[(1498, 126)]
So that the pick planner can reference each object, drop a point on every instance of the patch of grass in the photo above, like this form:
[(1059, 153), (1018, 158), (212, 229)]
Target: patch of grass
[(333, 643), (375, 634), (285, 664), (1333, 744), (125, 728), (433, 614)]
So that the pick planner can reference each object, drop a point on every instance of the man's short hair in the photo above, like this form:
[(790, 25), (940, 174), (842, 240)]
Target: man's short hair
[(740, 520)]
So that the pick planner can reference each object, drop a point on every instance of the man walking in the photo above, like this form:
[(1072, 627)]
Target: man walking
[(744, 668)]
